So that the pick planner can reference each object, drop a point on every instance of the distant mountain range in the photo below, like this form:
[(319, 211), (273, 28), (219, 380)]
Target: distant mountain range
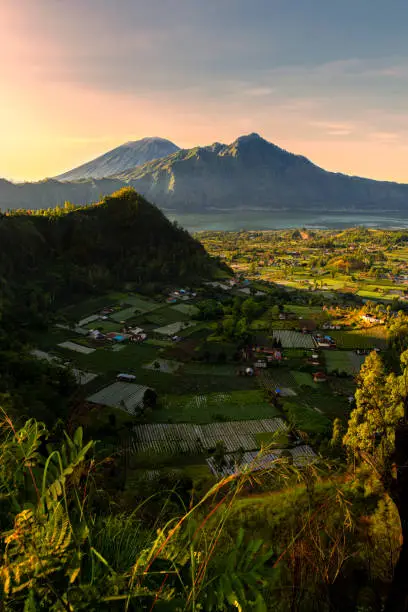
[(249, 174), (122, 158)]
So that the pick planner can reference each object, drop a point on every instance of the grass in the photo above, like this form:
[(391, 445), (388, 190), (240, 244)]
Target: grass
[(207, 408)]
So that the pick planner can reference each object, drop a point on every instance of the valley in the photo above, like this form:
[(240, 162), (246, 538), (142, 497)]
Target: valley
[(238, 365)]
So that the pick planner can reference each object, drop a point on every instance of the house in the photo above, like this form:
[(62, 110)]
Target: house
[(319, 377), (370, 318), (95, 334), (324, 341), (260, 364), (135, 331)]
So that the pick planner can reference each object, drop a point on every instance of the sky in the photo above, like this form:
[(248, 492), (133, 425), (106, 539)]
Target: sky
[(327, 79)]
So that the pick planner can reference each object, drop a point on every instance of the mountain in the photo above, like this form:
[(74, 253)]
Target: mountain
[(121, 241), (249, 174), (50, 193), (122, 158), (252, 173)]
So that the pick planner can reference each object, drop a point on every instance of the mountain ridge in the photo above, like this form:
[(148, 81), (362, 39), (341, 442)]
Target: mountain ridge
[(248, 174)]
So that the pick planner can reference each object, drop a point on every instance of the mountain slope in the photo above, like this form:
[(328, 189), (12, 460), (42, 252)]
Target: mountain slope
[(121, 158), (253, 173)]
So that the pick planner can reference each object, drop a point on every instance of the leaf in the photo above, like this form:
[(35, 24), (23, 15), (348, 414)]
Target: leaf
[(30, 603)]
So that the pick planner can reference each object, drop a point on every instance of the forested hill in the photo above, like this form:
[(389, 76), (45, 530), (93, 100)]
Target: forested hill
[(123, 239)]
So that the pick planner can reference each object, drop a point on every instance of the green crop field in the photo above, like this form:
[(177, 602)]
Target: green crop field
[(358, 339), (304, 379), (343, 361), (306, 418), (206, 408)]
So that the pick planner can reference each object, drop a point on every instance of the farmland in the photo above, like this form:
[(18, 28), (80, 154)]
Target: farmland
[(208, 355)]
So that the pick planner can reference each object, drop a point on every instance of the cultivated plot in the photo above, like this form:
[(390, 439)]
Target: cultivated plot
[(124, 315), (343, 361), (141, 304), (184, 437), (83, 378), (293, 339), (78, 348), (359, 339), (278, 378), (252, 461), (187, 309), (221, 405), (304, 379), (87, 320), (173, 328), (163, 365)]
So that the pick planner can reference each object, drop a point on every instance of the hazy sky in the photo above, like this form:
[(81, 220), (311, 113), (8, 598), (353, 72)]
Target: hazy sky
[(325, 78)]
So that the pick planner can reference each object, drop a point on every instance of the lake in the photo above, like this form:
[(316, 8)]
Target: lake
[(275, 220)]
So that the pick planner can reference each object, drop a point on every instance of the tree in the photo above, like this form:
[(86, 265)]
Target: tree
[(370, 435), (377, 443)]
